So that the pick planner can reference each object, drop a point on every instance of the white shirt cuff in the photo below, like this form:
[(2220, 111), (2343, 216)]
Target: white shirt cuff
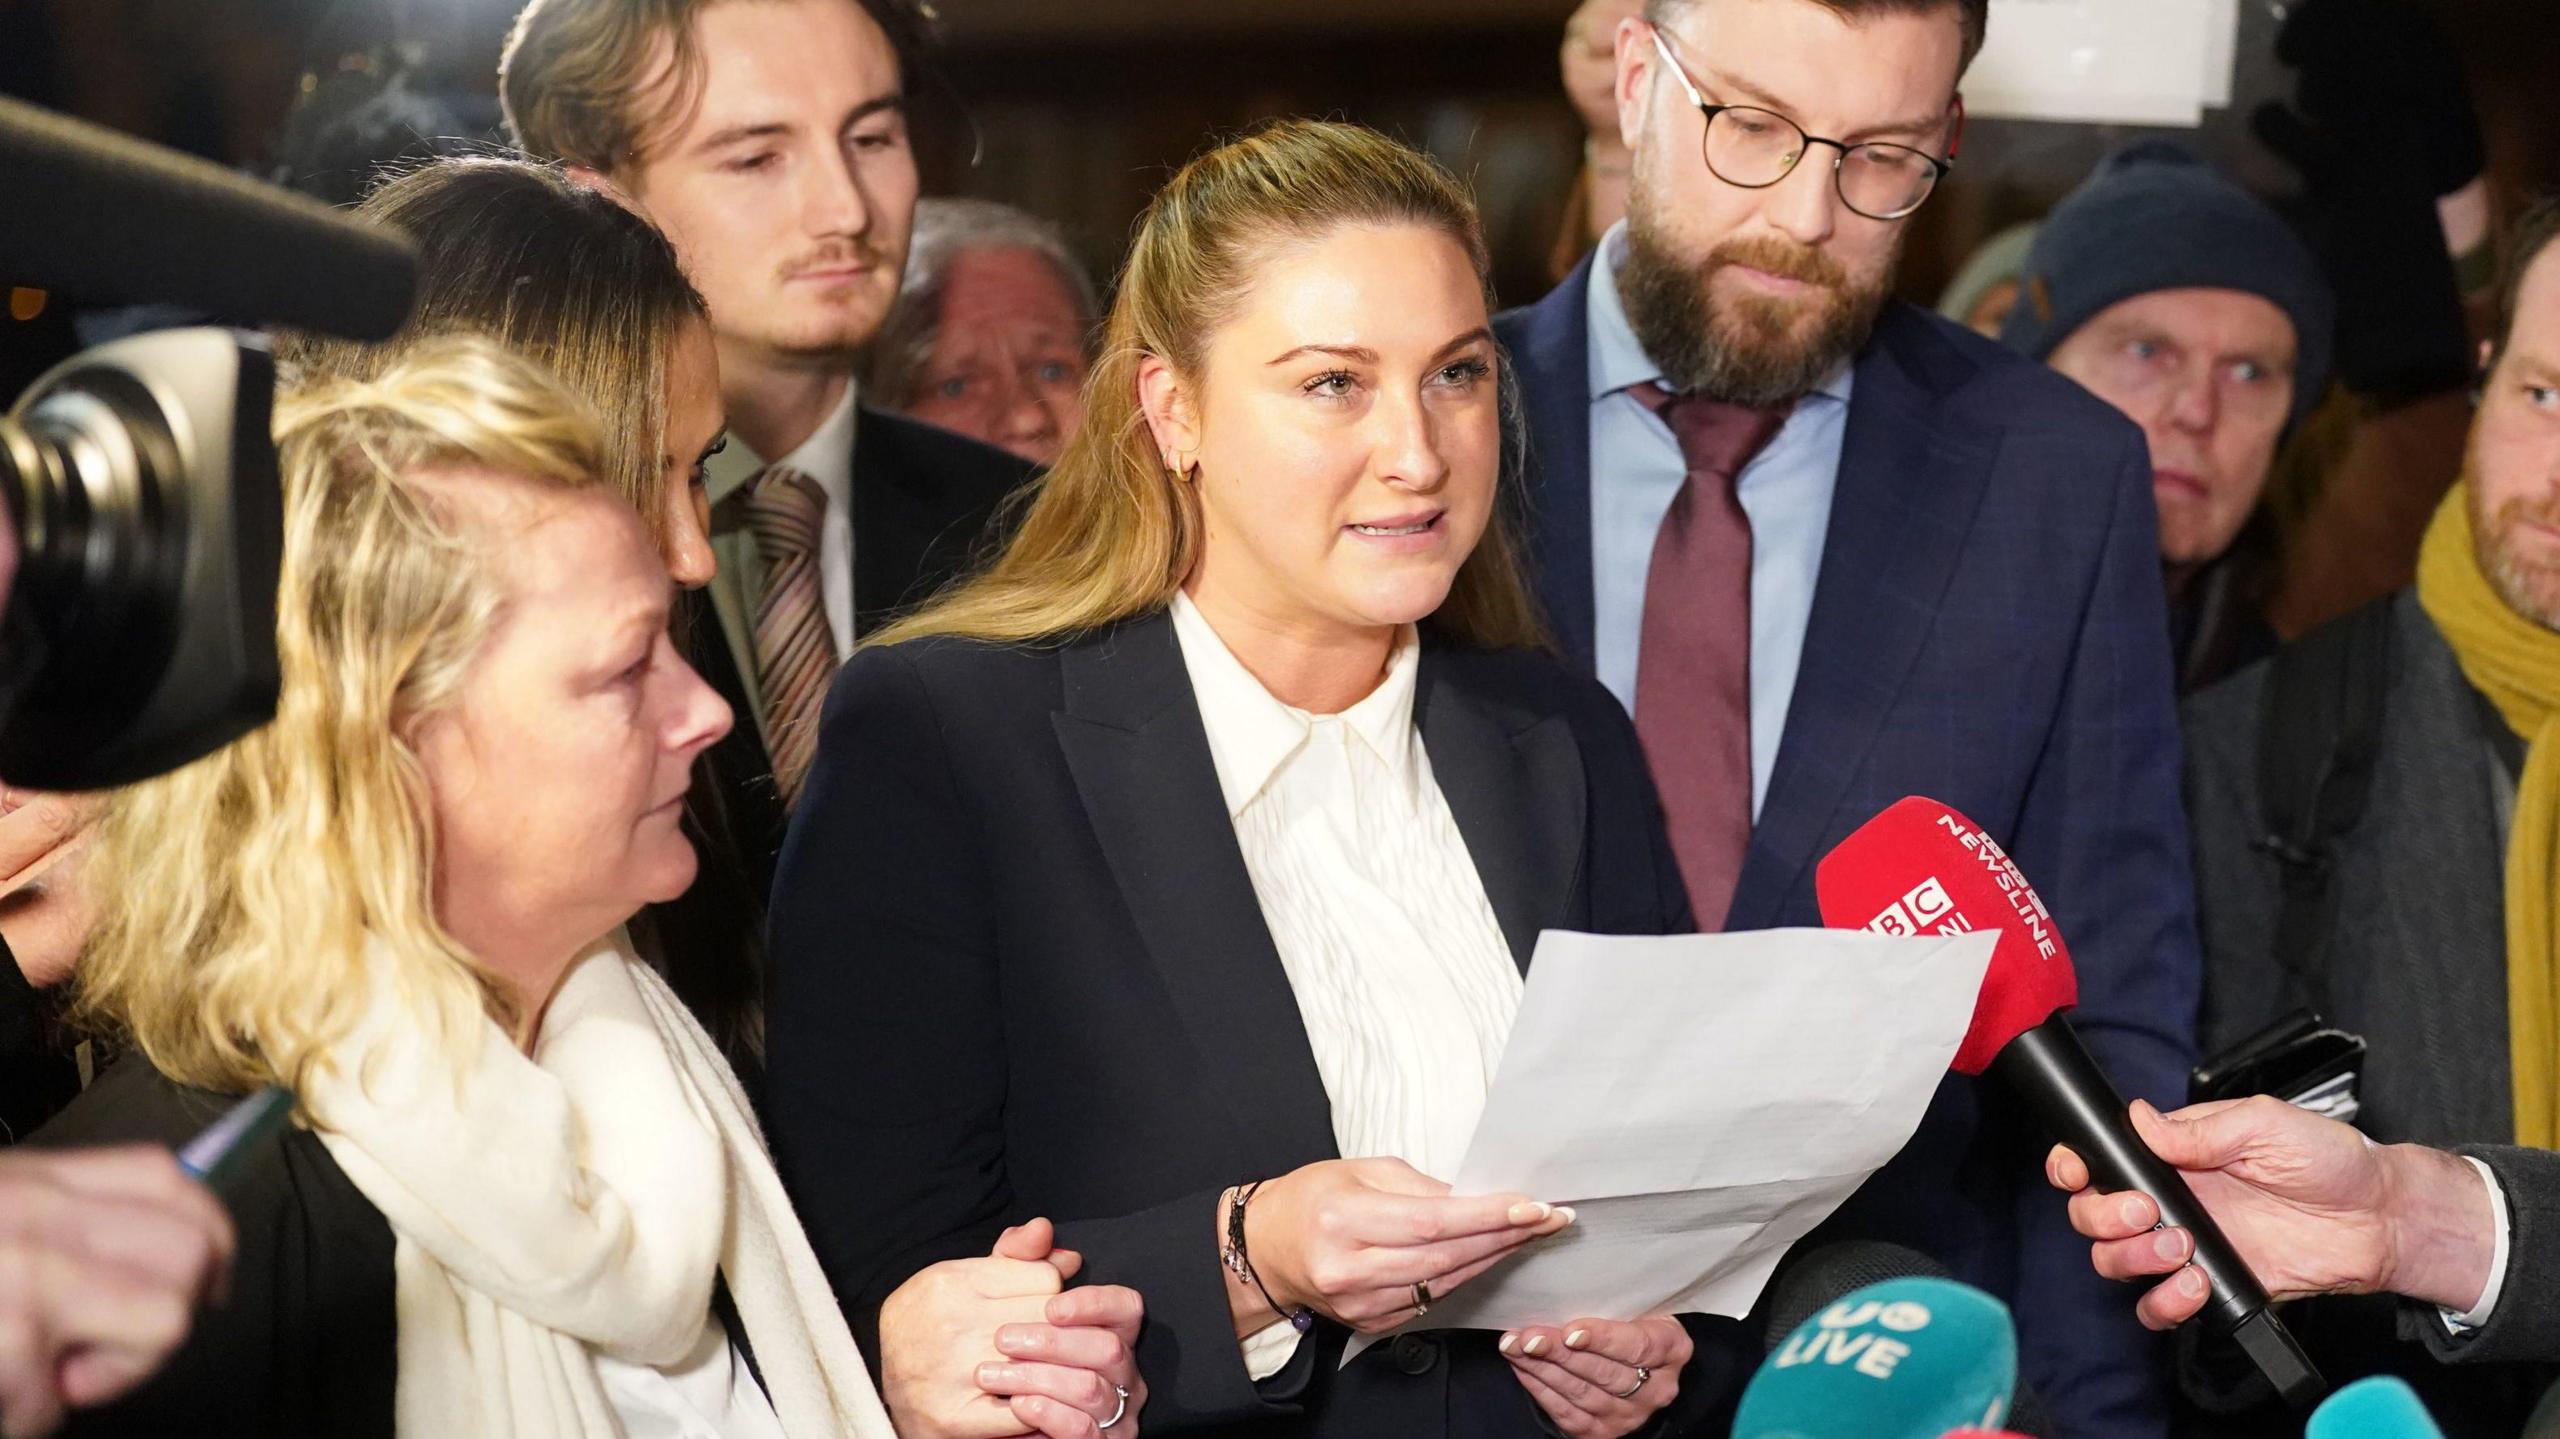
[(2478, 1314), (1268, 1351)]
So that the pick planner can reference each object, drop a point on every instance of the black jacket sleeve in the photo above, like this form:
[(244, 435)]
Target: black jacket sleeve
[(1195, 1371), (21, 1012), (879, 933), (306, 1340), (38, 1074)]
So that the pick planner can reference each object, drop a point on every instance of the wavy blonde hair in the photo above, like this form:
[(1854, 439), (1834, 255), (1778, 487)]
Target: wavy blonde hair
[(1110, 533), (250, 884)]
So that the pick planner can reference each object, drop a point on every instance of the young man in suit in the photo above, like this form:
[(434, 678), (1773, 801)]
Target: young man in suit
[(1832, 550), (770, 142)]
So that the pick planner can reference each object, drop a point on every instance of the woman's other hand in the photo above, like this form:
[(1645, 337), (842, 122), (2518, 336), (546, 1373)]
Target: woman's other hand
[(1076, 1374), (1600, 1378), (997, 1347)]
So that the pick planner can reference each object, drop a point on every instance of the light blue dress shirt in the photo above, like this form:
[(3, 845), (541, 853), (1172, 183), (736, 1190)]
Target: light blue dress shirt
[(1637, 471)]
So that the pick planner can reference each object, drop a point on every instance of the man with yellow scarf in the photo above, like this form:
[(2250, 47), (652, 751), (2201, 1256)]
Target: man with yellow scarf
[(2404, 891)]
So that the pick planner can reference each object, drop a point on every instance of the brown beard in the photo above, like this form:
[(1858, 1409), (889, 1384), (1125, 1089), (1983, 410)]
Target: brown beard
[(1751, 352), (2530, 588)]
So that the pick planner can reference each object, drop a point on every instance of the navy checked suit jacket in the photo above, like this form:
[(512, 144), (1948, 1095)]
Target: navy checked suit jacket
[(1989, 630)]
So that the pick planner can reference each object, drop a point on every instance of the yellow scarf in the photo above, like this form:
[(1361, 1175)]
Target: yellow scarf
[(2516, 663)]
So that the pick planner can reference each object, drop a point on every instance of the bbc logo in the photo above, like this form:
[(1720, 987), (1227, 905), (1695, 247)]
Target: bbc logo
[(1924, 910)]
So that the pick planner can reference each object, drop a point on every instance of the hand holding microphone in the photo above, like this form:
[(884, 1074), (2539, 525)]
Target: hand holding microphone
[(2311, 1206), (1922, 868)]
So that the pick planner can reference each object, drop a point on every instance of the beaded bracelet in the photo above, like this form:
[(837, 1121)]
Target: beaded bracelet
[(1232, 1254)]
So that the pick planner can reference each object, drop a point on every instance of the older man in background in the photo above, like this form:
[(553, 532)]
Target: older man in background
[(2173, 295), (992, 332)]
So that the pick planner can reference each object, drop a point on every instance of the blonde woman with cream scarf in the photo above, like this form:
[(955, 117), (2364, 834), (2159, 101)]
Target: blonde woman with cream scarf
[(526, 1198)]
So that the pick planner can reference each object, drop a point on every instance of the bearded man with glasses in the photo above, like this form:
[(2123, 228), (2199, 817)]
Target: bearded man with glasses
[(1831, 550)]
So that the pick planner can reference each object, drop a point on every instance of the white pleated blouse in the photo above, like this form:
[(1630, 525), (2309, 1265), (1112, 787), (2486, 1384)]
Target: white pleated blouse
[(1404, 982)]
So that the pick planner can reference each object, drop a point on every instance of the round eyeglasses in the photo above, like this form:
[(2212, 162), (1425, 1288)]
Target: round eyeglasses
[(1753, 148)]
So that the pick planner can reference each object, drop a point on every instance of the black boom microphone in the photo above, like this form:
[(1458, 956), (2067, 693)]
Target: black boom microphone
[(138, 480), (104, 217)]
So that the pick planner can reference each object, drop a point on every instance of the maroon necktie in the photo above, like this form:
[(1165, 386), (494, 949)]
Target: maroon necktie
[(1693, 656)]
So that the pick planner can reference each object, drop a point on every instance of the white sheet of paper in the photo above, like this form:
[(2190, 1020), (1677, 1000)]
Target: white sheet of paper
[(2139, 62), (1701, 1101)]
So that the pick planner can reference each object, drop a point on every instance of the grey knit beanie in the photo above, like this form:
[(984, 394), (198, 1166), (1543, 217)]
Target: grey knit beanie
[(2154, 217)]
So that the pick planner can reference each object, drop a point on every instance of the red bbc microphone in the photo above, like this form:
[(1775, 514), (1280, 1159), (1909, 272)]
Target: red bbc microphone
[(1922, 868)]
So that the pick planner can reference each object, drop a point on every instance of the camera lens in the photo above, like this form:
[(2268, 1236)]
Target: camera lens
[(140, 632), (100, 549)]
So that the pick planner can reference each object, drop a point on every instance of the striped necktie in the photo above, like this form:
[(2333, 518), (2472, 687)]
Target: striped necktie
[(795, 650)]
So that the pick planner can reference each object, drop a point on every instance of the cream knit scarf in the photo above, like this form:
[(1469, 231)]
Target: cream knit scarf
[(577, 1202)]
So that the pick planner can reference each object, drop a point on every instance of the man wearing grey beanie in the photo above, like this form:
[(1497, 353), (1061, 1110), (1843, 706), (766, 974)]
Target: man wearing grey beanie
[(2177, 297)]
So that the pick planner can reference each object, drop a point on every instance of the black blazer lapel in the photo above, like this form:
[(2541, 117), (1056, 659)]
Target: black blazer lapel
[(894, 517), (1514, 783), (1907, 492), (924, 500), (1549, 348), (1134, 741)]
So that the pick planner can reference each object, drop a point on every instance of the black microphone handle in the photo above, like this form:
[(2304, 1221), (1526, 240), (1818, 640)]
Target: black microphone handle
[(2053, 1071)]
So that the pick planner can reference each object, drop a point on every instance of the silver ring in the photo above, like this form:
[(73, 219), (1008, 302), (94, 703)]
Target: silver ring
[(1421, 1297), (1642, 1374), (1118, 1413)]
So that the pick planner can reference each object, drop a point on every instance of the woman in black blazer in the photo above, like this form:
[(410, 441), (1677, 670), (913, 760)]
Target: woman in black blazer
[(1170, 859)]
